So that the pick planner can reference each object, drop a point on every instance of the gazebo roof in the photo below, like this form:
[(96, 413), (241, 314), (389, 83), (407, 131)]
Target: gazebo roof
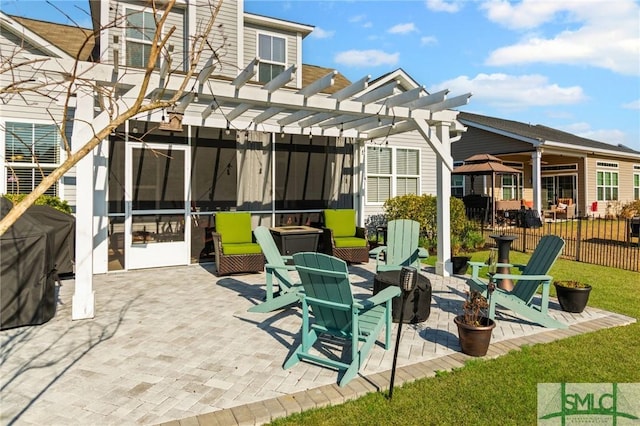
[(483, 164)]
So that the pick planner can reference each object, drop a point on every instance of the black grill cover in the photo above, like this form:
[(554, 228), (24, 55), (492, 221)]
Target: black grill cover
[(27, 280), (65, 231)]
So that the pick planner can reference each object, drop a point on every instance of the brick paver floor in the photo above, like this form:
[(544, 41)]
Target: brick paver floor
[(177, 346)]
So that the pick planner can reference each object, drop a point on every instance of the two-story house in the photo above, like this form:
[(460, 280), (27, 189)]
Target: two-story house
[(259, 132)]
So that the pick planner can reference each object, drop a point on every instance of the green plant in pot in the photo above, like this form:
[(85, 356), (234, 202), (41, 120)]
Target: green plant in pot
[(468, 240), (573, 296), (474, 325)]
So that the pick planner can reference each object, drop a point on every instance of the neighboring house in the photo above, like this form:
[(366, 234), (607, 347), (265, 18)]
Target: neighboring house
[(261, 133), (596, 176)]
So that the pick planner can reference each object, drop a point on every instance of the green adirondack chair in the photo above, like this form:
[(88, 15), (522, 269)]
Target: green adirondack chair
[(534, 274), (328, 299), (401, 247), (276, 267)]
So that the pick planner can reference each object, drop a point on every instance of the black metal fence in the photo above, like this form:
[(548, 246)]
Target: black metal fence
[(613, 243)]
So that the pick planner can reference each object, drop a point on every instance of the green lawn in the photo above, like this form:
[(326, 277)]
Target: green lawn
[(503, 391)]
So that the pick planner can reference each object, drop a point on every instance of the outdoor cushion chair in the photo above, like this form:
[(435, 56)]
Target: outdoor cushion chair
[(342, 238), (235, 249), (534, 274), (401, 247), (329, 308), (276, 267)]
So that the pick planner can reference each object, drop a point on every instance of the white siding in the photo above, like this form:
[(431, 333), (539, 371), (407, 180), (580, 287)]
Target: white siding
[(427, 166)]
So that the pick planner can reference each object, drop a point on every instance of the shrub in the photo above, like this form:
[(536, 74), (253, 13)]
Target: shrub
[(630, 209), (423, 209), (43, 200)]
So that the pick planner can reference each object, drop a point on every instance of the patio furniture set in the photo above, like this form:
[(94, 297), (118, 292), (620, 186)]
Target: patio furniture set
[(323, 289)]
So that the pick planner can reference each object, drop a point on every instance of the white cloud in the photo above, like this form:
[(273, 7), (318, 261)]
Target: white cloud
[(444, 5), (321, 33), (584, 130), (603, 34), (357, 18), (366, 58), (513, 92), (632, 105), (367, 24), (403, 28), (428, 40)]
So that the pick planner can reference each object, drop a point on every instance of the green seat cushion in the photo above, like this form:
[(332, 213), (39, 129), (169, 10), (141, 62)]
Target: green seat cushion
[(350, 242), (241, 248), (342, 222), (234, 227)]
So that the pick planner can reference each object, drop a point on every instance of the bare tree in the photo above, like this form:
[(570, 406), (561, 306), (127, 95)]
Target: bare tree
[(25, 75)]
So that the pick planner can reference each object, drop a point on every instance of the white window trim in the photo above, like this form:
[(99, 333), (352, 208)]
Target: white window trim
[(394, 175), (265, 61), (608, 170), (636, 188), (46, 166), (123, 32)]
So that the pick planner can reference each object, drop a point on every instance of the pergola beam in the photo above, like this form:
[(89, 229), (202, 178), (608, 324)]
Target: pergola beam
[(267, 114), (352, 89), (247, 73), (281, 79), (296, 116), (450, 103), (378, 93), (238, 111), (319, 85), (427, 100), (403, 98)]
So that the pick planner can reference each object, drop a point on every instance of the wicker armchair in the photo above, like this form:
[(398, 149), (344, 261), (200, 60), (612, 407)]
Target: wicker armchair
[(236, 250), (342, 238)]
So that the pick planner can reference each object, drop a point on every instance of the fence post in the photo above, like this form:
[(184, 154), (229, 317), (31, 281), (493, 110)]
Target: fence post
[(578, 239), (524, 239)]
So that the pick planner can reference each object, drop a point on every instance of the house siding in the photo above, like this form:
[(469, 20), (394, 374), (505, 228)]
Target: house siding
[(478, 141), (428, 178), (30, 107)]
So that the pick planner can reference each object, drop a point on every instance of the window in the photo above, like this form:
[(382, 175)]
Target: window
[(391, 172), (457, 186), (272, 54), (509, 187), (607, 185), (407, 171), (32, 151), (141, 27), (636, 186)]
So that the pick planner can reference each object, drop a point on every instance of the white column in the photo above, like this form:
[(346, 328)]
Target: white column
[(536, 179), (443, 179), (83, 302)]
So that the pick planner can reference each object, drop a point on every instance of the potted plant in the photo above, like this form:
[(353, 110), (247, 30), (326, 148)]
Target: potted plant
[(474, 326), (467, 241), (572, 295)]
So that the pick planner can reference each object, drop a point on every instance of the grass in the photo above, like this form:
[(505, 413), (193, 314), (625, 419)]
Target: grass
[(503, 391)]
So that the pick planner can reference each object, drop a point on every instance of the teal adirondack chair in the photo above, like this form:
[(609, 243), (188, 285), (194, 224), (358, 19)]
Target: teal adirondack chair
[(328, 299), (534, 274), (276, 267), (401, 247)]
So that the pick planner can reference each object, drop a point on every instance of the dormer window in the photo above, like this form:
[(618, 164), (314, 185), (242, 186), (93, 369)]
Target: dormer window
[(272, 53), (141, 27)]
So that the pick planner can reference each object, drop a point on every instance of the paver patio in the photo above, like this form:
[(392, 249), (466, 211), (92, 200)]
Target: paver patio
[(177, 345)]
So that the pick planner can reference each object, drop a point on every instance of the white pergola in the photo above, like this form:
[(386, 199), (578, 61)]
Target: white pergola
[(364, 110)]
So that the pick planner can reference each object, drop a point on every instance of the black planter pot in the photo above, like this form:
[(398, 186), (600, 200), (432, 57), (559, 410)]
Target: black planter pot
[(474, 340), (572, 299), (460, 264)]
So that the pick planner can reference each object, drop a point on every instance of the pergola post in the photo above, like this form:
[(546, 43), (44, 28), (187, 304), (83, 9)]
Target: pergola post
[(443, 179), (536, 168), (83, 302)]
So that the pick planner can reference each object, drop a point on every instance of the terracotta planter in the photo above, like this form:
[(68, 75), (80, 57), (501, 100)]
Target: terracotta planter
[(474, 340), (572, 299), (460, 264)]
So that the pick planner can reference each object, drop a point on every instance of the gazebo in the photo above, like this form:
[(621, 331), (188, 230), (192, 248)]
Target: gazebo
[(486, 165)]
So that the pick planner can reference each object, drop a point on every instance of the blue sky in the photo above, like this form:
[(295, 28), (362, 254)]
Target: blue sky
[(573, 65)]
